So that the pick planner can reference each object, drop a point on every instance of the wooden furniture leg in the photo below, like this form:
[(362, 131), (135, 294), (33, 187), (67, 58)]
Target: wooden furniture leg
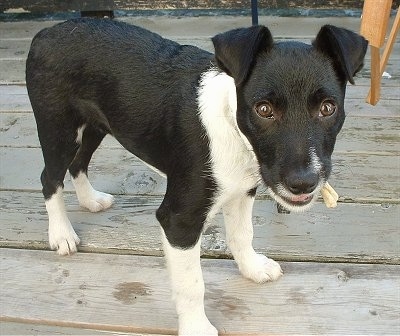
[(374, 22), (386, 53)]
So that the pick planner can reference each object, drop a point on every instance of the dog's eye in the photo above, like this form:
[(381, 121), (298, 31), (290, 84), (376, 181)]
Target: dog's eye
[(327, 108), (264, 110)]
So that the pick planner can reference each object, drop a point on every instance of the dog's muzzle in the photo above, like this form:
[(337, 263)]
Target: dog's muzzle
[(297, 192)]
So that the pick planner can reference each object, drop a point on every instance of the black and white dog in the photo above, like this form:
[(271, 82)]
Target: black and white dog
[(216, 125)]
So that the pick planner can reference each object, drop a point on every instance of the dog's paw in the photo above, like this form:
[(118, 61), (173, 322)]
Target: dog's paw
[(198, 328), (62, 237), (260, 269), (96, 201)]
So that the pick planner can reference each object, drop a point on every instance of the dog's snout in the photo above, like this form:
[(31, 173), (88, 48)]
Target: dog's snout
[(302, 182)]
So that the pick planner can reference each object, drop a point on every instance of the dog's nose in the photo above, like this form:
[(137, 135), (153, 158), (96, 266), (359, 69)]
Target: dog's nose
[(302, 182)]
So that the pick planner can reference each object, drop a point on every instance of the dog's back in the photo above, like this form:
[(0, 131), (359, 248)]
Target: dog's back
[(115, 77)]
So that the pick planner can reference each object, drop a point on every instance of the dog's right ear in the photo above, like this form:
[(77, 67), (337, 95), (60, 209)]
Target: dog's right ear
[(236, 50)]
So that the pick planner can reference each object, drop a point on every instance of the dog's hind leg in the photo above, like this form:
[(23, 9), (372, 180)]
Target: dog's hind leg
[(89, 139), (239, 236)]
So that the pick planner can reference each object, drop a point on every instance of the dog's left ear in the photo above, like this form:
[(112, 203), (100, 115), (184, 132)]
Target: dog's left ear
[(345, 48), (236, 50)]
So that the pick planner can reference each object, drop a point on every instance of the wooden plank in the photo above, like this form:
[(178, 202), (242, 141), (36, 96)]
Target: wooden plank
[(350, 233), (357, 176), (359, 134), (128, 176), (22, 328), (125, 293)]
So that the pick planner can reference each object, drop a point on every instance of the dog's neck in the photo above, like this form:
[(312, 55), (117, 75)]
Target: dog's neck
[(217, 99)]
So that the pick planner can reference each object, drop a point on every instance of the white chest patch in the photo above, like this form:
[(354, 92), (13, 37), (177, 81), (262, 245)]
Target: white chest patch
[(233, 162)]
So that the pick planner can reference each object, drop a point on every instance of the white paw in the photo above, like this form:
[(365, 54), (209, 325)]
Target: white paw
[(259, 268), (199, 327), (90, 198), (62, 236), (96, 201)]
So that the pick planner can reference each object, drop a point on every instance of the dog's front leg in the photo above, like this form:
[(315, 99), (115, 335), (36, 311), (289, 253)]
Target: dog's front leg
[(188, 289), (239, 236)]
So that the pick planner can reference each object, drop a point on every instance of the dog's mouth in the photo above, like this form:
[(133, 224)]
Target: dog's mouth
[(293, 202), (298, 200)]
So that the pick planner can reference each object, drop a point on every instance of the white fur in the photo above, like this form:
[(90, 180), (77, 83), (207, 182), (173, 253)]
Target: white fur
[(188, 289), (239, 237), (315, 162), (90, 198), (62, 236), (236, 170), (234, 164), (79, 133)]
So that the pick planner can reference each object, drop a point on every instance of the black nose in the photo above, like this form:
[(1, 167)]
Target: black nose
[(302, 182)]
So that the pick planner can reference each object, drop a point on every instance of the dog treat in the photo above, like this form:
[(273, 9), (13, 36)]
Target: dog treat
[(329, 195)]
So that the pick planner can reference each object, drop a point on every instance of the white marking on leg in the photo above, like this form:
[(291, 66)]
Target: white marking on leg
[(79, 135), (188, 289), (90, 198), (239, 236), (62, 236)]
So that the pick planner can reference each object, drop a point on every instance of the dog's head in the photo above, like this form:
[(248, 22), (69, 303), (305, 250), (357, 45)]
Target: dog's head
[(290, 103)]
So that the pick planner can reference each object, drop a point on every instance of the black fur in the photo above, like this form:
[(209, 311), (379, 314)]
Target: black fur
[(97, 72)]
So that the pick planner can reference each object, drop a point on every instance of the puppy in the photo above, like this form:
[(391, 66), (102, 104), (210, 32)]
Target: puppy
[(217, 126)]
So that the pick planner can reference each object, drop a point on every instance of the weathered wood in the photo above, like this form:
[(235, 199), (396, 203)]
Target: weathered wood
[(92, 5), (130, 293), (357, 176), (23, 328), (351, 232)]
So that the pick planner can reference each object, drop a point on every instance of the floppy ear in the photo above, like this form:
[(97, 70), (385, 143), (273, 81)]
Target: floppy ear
[(345, 48), (236, 50)]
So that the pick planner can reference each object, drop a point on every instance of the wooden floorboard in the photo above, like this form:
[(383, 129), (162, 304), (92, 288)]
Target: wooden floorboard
[(130, 293), (23, 327), (352, 232), (358, 176)]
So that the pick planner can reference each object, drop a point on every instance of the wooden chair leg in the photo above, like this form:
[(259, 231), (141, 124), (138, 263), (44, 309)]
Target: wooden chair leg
[(386, 52), (375, 76)]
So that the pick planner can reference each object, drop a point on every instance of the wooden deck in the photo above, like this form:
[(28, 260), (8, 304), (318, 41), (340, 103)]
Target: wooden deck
[(341, 266)]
